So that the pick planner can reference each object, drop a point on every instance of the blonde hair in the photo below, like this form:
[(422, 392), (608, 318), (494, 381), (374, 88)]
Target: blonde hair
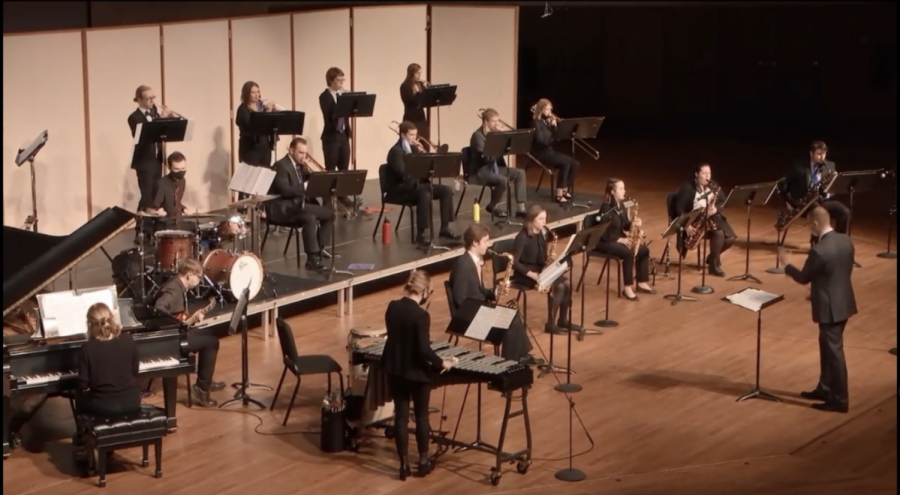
[(101, 323), (538, 108), (486, 116), (190, 266), (419, 283)]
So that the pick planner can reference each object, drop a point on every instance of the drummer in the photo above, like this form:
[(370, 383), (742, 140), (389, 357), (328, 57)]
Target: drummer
[(167, 200)]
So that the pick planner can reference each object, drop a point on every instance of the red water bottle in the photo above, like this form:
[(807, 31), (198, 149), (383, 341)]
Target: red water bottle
[(386, 231)]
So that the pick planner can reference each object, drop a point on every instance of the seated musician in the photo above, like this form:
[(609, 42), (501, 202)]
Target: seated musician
[(492, 171), (404, 188), (410, 364), (22, 323), (412, 111), (530, 256), (293, 207), (172, 299), (108, 367), (542, 148), (167, 201), (695, 194), (466, 282), (805, 178), (616, 241)]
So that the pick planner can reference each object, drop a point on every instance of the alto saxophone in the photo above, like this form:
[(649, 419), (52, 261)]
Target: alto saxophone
[(551, 255), (636, 235), (504, 285)]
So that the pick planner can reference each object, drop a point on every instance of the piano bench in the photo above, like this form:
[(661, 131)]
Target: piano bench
[(102, 435)]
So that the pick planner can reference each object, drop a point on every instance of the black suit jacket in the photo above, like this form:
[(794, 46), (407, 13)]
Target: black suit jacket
[(407, 352), (618, 222), (465, 282), (289, 185), (684, 198), (172, 297), (328, 104), (147, 156), (798, 178), (828, 268), (396, 179)]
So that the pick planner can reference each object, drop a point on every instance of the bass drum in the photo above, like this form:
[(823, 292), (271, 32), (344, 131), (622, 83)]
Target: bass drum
[(234, 272)]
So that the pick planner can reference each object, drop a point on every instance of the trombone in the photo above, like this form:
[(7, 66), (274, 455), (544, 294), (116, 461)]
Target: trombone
[(426, 144), (581, 143), (511, 128), (315, 166)]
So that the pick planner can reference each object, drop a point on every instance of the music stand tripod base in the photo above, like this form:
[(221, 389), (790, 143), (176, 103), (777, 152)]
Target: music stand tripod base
[(605, 324), (758, 394), (887, 255), (893, 351), (242, 397), (703, 289), (567, 388), (548, 368)]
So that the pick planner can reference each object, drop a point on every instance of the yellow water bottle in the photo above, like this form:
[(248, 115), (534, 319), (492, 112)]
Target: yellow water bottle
[(476, 212)]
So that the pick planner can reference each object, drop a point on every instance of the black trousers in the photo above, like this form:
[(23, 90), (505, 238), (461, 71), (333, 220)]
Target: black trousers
[(205, 344), (832, 364), (23, 409), (516, 343), (420, 393), (497, 183), (629, 261), (147, 180), (559, 298), (421, 196), (566, 167), (336, 149), (318, 223), (721, 239)]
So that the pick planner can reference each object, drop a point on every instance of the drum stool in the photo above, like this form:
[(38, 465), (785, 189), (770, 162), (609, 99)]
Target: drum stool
[(103, 435)]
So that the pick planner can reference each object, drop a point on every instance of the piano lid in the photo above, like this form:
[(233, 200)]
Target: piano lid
[(45, 265)]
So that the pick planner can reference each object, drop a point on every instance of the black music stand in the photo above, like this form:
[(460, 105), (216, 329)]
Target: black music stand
[(677, 227), (239, 322), (752, 195), (893, 351), (505, 144), (331, 186), (161, 131), (852, 183), (892, 213), (574, 129), (27, 155), (760, 301), (274, 124), (430, 166), (437, 96), (350, 106)]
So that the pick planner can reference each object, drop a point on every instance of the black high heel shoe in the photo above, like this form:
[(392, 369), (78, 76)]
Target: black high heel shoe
[(424, 469), (404, 472)]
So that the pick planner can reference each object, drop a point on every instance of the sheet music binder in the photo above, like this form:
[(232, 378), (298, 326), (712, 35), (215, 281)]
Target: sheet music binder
[(64, 313), (248, 179)]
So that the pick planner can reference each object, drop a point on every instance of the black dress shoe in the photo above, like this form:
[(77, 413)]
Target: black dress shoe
[(202, 397), (645, 291), (815, 395), (832, 407), (313, 263), (424, 469), (566, 325), (216, 386), (714, 270), (555, 330), (521, 213), (404, 472), (449, 234)]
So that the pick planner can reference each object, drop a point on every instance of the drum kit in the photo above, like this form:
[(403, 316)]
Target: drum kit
[(226, 271)]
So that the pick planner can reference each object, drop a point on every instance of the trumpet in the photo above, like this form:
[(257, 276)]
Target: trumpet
[(315, 166), (277, 106), (173, 113), (511, 128), (554, 120), (421, 143)]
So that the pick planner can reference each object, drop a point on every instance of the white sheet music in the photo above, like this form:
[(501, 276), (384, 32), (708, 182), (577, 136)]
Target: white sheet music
[(550, 274), (481, 324), (64, 313), (752, 299), (251, 180), (505, 316), (37, 143)]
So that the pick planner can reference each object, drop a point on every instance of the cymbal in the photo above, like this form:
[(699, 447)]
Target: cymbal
[(203, 215)]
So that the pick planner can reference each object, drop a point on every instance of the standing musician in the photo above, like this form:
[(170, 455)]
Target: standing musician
[(108, 367), (695, 194), (252, 149), (336, 132), (412, 111), (806, 176), (828, 267), (293, 207), (147, 158), (168, 200), (616, 241), (493, 171), (409, 362), (172, 299), (544, 123), (402, 188), (530, 256), (466, 282), (21, 325)]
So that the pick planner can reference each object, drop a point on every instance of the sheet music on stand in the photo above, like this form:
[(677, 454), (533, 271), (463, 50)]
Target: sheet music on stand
[(753, 299), (488, 318), (64, 313), (550, 274), (251, 180)]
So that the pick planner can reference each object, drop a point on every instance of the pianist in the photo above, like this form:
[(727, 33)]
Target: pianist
[(172, 299), (22, 321), (167, 199), (108, 367)]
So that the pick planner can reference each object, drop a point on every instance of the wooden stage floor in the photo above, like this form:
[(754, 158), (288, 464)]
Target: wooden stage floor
[(658, 406)]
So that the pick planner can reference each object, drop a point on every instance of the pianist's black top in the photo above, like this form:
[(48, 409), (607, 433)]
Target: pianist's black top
[(407, 352), (529, 254), (108, 369)]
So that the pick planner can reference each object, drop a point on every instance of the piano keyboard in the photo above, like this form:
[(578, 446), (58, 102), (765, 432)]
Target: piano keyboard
[(150, 364)]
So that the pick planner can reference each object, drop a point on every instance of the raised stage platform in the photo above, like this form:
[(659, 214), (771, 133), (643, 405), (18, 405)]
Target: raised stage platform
[(289, 282)]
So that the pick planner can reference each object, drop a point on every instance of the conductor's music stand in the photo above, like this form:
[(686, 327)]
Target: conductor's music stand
[(750, 196), (851, 183), (27, 155), (239, 322), (575, 129), (677, 227), (437, 96), (505, 144), (331, 185), (755, 300), (430, 166)]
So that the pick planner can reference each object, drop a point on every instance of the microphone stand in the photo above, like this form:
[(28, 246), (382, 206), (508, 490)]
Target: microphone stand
[(570, 474), (892, 214)]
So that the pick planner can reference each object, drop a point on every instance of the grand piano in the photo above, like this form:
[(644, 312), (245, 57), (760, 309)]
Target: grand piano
[(31, 261)]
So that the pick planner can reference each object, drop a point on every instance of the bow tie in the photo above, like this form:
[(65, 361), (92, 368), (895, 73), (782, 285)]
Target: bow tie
[(148, 113)]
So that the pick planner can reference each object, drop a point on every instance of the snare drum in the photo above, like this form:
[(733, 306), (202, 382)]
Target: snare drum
[(173, 246), (232, 229), (234, 272)]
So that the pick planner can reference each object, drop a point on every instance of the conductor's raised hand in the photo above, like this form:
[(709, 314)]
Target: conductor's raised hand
[(784, 256)]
